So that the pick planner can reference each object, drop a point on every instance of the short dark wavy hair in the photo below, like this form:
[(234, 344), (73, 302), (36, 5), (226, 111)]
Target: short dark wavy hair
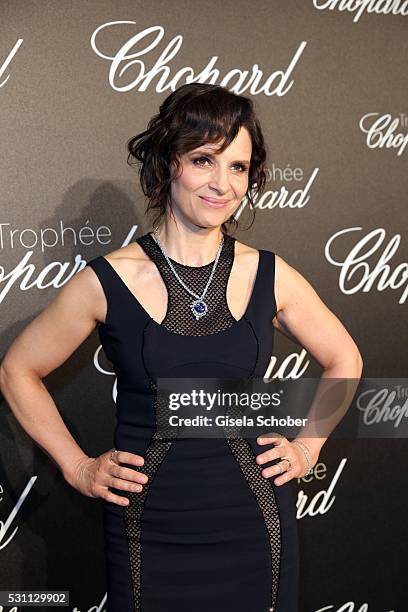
[(191, 116)]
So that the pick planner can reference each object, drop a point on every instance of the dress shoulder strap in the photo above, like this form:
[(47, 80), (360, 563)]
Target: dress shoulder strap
[(98, 265), (262, 306), (122, 305)]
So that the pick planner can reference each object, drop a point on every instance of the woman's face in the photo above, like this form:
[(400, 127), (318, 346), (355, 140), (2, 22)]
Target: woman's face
[(221, 177)]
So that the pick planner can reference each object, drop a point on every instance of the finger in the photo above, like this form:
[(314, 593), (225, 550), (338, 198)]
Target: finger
[(270, 471), (128, 474), (276, 469), (121, 500), (130, 458), (125, 485), (271, 438), (269, 455), (285, 477)]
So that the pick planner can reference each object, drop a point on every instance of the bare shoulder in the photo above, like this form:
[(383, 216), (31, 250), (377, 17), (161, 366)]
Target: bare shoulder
[(141, 276), (131, 261), (246, 255), (131, 253)]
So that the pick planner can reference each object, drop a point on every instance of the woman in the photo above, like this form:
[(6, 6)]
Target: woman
[(190, 524)]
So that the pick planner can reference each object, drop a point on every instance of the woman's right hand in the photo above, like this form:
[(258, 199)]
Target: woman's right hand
[(93, 476)]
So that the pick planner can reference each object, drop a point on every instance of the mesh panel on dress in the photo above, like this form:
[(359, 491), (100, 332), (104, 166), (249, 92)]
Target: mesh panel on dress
[(179, 317), (158, 448), (262, 489)]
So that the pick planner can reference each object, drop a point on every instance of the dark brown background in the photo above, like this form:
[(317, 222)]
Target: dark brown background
[(63, 158)]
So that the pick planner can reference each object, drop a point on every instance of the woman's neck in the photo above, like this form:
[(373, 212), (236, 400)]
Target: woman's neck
[(190, 248)]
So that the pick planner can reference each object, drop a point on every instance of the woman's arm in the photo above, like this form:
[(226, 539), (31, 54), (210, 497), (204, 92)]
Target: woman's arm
[(304, 318), (42, 346)]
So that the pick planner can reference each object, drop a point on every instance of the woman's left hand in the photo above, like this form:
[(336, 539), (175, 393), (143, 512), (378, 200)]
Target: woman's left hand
[(285, 449)]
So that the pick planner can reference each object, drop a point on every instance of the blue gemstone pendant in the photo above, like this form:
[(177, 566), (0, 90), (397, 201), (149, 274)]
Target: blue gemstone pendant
[(199, 308)]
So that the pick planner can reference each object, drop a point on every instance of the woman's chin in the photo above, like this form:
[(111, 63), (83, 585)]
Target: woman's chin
[(209, 223)]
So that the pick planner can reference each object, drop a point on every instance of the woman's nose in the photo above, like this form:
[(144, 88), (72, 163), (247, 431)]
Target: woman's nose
[(220, 180)]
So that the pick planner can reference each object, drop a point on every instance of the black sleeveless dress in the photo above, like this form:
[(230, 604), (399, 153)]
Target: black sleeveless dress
[(208, 532)]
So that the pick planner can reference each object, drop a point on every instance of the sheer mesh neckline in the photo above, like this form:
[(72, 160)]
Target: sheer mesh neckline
[(179, 318), (173, 261), (229, 321)]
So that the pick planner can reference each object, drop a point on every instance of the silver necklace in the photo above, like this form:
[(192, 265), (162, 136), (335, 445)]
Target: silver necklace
[(198, 306)]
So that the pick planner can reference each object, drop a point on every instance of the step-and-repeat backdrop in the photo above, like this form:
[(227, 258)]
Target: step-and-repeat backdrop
[(329, 81)]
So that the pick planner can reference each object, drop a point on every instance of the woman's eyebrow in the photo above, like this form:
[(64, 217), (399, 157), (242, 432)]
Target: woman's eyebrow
[(236, 161)]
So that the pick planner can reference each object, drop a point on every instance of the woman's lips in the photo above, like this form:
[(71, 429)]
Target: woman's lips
[(214, 203)]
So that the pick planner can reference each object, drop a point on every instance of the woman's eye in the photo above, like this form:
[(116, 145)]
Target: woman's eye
[(243, 168), (202, 159)]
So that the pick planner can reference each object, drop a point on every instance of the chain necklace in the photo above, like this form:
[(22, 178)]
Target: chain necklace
[(198, 306)]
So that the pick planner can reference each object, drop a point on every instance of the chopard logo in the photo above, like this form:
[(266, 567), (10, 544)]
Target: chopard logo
[(134, 65), (288, 195), (27, 274), (381, 131), (324, 499), (386, 7), (359, 274), (384, 405)]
